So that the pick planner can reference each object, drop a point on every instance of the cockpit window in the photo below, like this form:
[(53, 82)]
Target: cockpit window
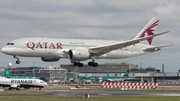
[(10, 44)]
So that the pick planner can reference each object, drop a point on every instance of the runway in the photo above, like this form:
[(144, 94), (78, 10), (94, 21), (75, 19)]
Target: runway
[(117, 93), (63, 90), (98, 93)]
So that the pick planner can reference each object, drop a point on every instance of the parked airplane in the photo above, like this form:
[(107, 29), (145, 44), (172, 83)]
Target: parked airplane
[(15, 83), (77, 50), (8, 75), (117, 78), (89, 80)]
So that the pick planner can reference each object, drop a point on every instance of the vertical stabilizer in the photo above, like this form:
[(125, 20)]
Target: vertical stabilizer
[(7, 74), (148, 30), (127, 73)]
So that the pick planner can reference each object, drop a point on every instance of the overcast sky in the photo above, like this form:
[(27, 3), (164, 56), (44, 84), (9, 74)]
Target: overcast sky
[(92, 19)]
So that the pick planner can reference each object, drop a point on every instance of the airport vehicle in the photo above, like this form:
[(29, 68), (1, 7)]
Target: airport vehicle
[(15, 83), (118, 78), (8, 75), (77, 50)]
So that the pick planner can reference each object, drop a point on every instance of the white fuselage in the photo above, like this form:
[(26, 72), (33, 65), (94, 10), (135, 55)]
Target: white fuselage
[(22, 82), (58, 48)]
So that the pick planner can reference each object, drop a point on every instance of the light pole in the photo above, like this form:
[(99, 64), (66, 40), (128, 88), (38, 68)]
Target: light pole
[(34, 63)]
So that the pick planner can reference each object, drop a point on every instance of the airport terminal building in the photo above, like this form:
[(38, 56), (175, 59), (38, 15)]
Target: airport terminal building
[(64, 72)]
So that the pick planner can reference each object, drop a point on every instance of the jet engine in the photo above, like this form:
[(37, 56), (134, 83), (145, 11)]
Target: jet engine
[(14, 86), (49, 59), (79, 54)]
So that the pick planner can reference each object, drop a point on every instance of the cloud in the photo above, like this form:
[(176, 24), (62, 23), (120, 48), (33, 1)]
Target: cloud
[(88, 19), (130, 4), (67, 3)]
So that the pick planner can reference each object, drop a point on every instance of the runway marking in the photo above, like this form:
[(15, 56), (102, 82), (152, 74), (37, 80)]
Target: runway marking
[(57, 90), (61, 94), (171, 94), (103, 94)]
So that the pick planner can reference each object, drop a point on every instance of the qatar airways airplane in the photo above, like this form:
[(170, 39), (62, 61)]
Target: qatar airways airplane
[(77, 50)]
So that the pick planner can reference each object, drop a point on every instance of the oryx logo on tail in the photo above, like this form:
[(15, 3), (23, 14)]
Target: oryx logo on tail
[(149, 30)]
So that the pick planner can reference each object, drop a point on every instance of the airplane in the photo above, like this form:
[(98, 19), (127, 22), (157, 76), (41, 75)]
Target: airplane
[(8, 75), (15, 83), (118, 78), (89, 79), (77, 50)]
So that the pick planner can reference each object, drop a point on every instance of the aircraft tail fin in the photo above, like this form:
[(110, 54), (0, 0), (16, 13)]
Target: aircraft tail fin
[(127, 73), (7, 74), (148, 30)]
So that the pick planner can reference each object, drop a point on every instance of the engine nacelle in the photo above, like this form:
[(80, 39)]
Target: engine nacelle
[(79, 54), (49, 59), (14, 86)]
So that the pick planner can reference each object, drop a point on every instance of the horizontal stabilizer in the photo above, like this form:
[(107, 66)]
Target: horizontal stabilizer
[(155, 48)]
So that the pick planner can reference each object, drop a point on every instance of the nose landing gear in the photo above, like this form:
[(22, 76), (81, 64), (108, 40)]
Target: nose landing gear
[(18, 61)]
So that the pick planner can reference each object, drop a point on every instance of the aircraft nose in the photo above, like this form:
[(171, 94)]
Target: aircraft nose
[(3, 50), (45, 84)]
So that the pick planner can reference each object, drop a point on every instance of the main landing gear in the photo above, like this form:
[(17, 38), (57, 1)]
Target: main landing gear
[(93, 64), (17, 61), (78, 64)]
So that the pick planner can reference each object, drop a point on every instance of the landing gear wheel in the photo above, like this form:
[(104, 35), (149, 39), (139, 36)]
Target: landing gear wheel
[(18, 88), (10, 88), (75, 63), (18, 62), (78, 64), (93, 63), (90, 63)]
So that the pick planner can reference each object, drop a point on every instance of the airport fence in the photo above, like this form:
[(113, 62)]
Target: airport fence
[(129, 85)]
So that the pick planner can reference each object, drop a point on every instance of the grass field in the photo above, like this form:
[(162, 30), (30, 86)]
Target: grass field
[(95, 99)]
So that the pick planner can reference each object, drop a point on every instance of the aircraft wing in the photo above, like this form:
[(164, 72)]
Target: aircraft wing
[(120, 79), (100, 50), (150, 49)]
